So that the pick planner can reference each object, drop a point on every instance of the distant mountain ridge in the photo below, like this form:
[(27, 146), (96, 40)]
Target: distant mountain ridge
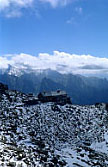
[(82, 90)]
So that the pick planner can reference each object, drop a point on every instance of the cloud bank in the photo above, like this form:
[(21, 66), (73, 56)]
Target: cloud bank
[(59, 61)]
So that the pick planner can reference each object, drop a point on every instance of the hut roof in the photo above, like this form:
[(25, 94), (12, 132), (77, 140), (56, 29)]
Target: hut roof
[(54, 93)]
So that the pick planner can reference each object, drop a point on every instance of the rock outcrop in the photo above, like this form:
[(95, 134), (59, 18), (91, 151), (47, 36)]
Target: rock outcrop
[(50, 135)]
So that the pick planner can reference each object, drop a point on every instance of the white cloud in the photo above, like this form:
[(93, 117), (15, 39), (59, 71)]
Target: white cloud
[(55, 3), (27, 3), (75, 19), (12, 8), (79, 10), (4, 4), (21, 3), (71, 21), (60, 61), (4, 63), (13, 13)]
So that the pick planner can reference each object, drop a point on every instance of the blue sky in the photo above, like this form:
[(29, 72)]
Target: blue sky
[(42, 26)]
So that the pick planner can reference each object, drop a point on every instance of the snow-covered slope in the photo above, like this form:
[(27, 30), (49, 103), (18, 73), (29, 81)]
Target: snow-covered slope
[(49, 135), (21, 69)]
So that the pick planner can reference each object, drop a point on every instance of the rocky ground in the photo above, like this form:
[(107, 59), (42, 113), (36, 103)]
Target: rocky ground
[(49, 135)]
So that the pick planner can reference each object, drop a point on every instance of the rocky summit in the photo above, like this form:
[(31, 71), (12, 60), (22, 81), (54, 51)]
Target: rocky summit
[(50, 135)]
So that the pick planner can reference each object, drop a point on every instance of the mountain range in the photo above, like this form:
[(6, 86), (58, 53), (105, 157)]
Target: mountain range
[(82, 90)]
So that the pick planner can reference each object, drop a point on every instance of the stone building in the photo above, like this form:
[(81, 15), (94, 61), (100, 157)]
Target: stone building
[(59, 97)]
